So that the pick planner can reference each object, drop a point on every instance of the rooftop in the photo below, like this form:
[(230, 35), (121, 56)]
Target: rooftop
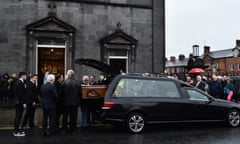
[(214, 54), (221, 53)]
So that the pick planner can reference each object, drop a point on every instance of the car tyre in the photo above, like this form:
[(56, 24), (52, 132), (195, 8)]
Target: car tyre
[(135, 123), (233, 118)]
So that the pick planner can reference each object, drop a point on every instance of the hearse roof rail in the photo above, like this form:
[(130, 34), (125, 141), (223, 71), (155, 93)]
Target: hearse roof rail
[(148, 75)]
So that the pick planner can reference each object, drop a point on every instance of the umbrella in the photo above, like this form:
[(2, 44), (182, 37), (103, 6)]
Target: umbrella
[(196, 70)]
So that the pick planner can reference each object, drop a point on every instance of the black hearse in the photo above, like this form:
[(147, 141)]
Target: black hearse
[(135, 101)]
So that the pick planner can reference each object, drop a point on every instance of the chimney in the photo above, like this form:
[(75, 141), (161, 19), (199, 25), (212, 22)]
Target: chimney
[(172, 58), (206, 50), (181, 57), (195, 50), (238, 43)]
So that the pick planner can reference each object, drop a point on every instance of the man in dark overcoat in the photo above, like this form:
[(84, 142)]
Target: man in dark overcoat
[(49, 97), (71, 93), (32, 101)]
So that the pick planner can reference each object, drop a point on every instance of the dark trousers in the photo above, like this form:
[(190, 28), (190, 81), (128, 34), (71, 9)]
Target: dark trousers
[(18, 115), (49, 114), (29, 116), (59, 112), (85, 115), (72, 112)]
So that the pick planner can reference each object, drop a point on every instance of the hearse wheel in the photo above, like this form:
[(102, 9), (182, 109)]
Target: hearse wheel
[(233, 118), (135, 123)]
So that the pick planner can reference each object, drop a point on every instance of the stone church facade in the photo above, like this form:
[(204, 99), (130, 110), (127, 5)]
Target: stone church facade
[(36, 35)]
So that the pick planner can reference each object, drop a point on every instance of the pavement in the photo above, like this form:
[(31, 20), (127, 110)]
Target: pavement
[(84, 135), (107, 134)]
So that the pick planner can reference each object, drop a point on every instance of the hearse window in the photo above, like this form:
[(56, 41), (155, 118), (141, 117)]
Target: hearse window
[(145, 88), (195, 95)]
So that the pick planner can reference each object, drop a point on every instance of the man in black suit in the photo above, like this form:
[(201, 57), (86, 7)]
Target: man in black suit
[(20, 102), (49, 97), (199, 83), (71, 92), (32, 100)]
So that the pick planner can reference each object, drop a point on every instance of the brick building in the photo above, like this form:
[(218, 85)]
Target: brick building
[(176, 65), (221, 62), (37, 35)]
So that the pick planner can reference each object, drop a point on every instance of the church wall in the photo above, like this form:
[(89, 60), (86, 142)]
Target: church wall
[(91, 20)]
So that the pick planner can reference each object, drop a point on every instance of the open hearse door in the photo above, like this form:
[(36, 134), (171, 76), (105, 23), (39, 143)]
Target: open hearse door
[(96, 91)]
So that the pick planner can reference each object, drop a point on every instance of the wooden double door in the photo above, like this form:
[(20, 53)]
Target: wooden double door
[(51, 59)]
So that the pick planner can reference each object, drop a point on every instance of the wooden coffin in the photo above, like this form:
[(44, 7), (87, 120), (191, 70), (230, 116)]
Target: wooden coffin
[(93, 91)]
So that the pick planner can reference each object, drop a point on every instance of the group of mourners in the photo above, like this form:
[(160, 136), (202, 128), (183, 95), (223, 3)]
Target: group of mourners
[(60, 98), (217, 86)]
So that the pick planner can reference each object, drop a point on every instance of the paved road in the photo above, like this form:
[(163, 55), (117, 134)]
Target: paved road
[(161, 134)]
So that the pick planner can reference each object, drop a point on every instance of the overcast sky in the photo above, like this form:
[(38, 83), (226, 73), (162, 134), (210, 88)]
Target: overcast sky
[(215, 23)]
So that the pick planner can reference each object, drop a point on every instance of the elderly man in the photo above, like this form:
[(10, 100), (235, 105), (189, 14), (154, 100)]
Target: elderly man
[(71, 94), (199, 83), (49, 97)]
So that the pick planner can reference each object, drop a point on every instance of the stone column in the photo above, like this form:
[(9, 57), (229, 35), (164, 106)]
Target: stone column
[(158, 57)]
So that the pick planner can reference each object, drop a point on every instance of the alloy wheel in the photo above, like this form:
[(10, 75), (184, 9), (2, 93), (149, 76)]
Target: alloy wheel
[(234, 118), (136, 123)]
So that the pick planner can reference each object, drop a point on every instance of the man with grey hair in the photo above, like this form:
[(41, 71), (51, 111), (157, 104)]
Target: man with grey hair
[(70, 73), (199, 83), (49, 97), (71, 94)]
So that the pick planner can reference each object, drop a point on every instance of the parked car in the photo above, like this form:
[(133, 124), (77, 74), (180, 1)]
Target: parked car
[(135, 101)]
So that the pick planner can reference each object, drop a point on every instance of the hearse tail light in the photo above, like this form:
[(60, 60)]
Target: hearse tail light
[(108, 105)]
